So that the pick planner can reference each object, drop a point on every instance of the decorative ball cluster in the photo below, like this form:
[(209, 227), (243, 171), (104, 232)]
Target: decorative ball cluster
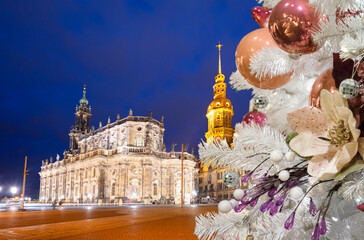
[(260, 101), (225, 206), (296, 193), (238, 194), (276, 156), (349, 88), (283, 175)]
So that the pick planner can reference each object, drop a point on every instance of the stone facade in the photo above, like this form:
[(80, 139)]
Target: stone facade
[(124, 161)]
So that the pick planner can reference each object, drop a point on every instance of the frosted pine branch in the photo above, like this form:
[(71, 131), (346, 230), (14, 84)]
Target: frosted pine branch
[(330, 31), (271, 62), (220, 154), (352, 47), (238, 82), (274, 61), (261, 139), (353, 186), (214, 225), (249, 139), (330, 6)]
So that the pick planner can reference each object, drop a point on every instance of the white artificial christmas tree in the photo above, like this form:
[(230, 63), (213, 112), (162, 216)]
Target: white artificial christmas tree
[(305, 166)]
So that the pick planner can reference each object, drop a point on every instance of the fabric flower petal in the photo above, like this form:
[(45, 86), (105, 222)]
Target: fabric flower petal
[(315, 121), (306, 144), (325, 166), (347, 116), (346, 154), (361, 146), (339, 100), (320, 164), (328, 105)]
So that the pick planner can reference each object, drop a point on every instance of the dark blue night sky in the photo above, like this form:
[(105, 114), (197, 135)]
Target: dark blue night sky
[(144, 55)]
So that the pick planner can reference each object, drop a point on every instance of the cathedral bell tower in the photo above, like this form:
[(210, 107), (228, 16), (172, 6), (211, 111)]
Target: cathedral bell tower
[(82, 121), (220, 111)]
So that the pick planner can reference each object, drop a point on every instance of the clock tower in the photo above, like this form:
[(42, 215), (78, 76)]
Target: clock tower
[(220, 111)]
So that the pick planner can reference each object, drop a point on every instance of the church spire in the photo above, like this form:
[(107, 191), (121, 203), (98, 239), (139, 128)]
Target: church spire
[(219, 77), (220, 110), (83, 100), (219, 46)]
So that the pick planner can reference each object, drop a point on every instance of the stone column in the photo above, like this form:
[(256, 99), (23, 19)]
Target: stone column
[(72, 185), (147, 180), (171, 183), (40, 188), (51, 187), (164, 180), (143, 181), (126, 182)]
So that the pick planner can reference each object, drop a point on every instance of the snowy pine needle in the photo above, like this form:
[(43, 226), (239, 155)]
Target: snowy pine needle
[(330, 31), (352, 47), (330, 6), (249, 139), (270, 62)]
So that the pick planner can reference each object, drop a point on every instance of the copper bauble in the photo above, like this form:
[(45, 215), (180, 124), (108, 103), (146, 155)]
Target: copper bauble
[(261, 15), (291, 24), (248, 46), (324, 81)]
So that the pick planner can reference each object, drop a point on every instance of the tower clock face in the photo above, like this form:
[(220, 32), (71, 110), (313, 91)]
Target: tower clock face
[(218, 138)]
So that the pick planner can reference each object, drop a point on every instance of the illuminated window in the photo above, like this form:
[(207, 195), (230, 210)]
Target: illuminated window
[(113, 186), (139, 141), (155, 143), (155, 188)]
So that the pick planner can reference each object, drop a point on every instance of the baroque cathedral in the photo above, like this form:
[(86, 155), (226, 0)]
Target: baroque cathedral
[(219, 115), (123, 161)]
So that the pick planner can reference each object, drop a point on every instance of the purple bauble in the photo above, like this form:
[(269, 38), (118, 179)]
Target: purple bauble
[(256, 117)]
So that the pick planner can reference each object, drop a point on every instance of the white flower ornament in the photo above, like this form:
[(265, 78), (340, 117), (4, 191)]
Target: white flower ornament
[(328, 135)]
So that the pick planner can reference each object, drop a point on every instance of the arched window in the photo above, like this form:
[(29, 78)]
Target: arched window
[(139, 141), (113, 186), (155, 143), (155, 189), (94, 172)]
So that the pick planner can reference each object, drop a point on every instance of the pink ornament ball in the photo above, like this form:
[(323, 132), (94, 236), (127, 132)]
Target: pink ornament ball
[(256, 117)]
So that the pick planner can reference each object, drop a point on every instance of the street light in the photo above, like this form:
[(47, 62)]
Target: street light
[(13, 190)]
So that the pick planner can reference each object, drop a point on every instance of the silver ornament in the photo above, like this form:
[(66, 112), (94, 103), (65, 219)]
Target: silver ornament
[(231, 178), (260, 101), (349, 88)]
